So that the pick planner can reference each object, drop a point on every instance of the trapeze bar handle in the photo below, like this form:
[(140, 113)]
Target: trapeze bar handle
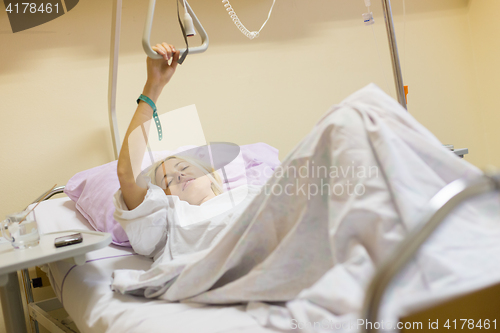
[(147, 33)]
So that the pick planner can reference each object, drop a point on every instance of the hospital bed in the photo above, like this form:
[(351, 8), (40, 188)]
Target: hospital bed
[(85, 294)]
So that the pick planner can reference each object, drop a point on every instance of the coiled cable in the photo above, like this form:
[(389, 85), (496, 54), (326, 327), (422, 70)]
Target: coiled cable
[(239, 24)]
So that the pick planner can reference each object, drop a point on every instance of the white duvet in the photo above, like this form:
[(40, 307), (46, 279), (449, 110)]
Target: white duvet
[(311, 240)]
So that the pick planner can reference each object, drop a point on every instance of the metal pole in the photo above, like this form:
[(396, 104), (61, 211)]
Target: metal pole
[(12, 305), (113, 72), (396, 66)]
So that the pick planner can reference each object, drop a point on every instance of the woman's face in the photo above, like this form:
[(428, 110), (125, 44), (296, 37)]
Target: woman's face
[(178, 177)]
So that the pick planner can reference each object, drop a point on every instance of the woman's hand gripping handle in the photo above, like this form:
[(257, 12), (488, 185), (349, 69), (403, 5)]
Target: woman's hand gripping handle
[(159, 71)]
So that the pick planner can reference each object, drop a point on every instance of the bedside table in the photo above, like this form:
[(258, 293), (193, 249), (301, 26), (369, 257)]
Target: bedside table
[(12, 260)]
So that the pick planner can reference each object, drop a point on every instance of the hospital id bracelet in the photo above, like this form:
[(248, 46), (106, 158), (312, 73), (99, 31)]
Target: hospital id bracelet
[(155, 114)]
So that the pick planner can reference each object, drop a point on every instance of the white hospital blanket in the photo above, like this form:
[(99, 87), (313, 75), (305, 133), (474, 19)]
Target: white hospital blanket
[(312, 238)]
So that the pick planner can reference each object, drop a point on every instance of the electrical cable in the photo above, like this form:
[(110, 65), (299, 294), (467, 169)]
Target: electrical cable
[(239, 24), (184, 55)]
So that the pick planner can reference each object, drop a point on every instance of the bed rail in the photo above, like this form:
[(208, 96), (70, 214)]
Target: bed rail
[(439, 207), (56, 190)]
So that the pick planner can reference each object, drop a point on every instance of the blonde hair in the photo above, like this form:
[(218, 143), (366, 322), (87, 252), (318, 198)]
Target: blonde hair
[(213, 175)]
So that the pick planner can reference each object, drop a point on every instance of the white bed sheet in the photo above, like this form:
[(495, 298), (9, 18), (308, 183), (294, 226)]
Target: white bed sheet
[(86, 295)]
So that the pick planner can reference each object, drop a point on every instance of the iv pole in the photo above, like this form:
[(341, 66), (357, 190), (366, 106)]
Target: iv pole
[(113, 73), (396, 66)]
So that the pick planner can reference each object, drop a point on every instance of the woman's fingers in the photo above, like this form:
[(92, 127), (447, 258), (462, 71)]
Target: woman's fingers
[(161, 70), (160, 49), (166, 50), (175, 59)]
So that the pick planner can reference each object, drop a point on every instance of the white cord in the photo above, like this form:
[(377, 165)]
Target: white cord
[(239, 25)]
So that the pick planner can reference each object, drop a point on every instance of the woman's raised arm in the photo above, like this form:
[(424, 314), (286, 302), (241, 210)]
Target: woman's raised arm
[(160, 71)]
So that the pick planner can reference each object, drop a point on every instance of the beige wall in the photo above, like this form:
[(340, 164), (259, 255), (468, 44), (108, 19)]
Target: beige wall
[(485, 32), (53, 78)]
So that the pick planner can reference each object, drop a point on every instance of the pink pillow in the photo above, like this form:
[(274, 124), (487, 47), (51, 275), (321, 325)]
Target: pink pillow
[(92, 190)]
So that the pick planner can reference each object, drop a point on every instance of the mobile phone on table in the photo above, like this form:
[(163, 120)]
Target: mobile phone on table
[(68, 240)]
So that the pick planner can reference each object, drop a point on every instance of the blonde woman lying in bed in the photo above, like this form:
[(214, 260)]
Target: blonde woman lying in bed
[(184, 202)]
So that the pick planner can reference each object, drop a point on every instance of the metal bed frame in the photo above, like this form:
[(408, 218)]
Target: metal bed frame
[(448, 198), (438, 208)]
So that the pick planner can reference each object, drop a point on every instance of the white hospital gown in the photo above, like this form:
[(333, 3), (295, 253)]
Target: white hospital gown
[(164, 224)]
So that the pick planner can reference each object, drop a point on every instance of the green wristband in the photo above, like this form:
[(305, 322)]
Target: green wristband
[(155, 114)]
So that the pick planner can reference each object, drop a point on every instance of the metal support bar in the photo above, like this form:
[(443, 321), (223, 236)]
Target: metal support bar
[(27, 295), (13, 314), (50, 304), (146, 44), (113, 74), (439, 207), (40, 315), (396, 66), (57, 190)]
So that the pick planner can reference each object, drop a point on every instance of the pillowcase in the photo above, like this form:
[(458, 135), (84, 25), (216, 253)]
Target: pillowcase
[(92, 190)]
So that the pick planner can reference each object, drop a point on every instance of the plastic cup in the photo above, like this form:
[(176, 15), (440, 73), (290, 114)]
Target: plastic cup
[(21, 235)]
